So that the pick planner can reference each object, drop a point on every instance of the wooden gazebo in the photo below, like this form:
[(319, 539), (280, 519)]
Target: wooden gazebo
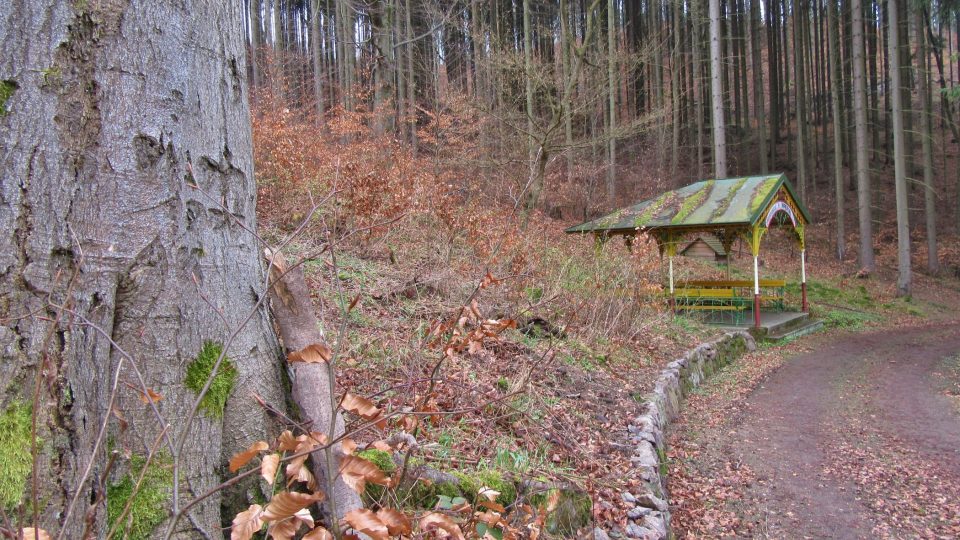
[(728, 209)]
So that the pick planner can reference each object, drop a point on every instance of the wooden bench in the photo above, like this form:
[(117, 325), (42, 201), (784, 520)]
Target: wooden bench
[(706, 299), (772, 291)]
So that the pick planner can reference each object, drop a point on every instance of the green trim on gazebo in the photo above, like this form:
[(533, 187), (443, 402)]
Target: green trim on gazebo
[(705, 205)]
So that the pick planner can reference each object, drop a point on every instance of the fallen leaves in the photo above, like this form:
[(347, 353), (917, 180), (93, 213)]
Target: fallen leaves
[(241, 459), (366, 521), (29, 533), (316, 353), (247, 523), (268, 467), (288, 503), (435, 521), (396, 521), (356, 472)]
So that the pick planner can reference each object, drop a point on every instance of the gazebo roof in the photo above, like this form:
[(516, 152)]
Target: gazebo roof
[(705, 205)]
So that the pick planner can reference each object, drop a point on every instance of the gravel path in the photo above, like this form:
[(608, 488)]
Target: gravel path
[(857, 438)]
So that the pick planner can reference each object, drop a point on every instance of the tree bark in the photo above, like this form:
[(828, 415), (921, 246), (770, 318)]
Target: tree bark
[(899, 152), (612, 97), (533, 194), (317, 59), (799, 23), (926, 137), (255, 28), (313, 384), (716, 68), (836, 89), (99, 156), (860, 122)]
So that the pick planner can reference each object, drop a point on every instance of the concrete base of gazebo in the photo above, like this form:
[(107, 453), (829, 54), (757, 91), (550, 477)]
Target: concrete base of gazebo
[(774, 325)]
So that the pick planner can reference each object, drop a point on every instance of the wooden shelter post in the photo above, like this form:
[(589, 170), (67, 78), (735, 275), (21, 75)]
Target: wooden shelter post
[(757, 233), (803, 270), (671, 249)]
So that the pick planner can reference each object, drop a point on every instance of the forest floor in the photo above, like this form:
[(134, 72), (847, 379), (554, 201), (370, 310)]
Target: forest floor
[(851, 435)]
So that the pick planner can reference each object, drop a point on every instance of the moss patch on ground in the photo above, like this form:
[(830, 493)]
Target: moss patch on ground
[(471, 483), (199, 371), (15, 459), (381, 459), (573, 511), (148, 506)]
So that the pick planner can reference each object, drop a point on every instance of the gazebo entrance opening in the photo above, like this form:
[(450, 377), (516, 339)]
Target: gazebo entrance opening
[(727, 209)]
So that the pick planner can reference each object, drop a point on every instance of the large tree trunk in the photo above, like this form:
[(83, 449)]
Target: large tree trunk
[(926, 137), (860, 123), (836, 89), (612, 100), (99, 154), (719, 134), (316, 38), (899, 152)]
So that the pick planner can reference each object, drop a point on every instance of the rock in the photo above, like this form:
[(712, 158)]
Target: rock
[(628, 497), (657, 523), (645, 454), (652, 501), (636, 531), (600, 534), (638, 512)]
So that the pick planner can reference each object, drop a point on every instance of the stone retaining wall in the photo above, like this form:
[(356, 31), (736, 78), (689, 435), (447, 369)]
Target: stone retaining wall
[(650, 516)]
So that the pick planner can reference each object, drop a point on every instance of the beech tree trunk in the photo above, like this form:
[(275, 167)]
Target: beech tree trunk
[(99, 153)]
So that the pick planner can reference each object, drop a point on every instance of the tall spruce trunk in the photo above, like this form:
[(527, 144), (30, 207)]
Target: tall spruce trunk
[(899, 152), (926, 138), (836, 89), (612, 104), (317, 60), (864, 198), (716, 86), (99, 156), (799, 23), (695, 14), (255, 25)]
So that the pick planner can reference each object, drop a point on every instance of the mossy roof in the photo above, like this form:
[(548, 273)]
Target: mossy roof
[(706, 205)]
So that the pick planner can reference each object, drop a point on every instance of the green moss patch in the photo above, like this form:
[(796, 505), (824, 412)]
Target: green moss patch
[(148, 506), (7, 88), (573, 512), (693, 202), (470, 484), (381, 459), (199, 371), (725, 203), (15, 459), (651, 211), (760, 194)]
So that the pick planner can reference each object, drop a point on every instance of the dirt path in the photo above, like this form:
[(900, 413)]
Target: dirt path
[(855, 438)]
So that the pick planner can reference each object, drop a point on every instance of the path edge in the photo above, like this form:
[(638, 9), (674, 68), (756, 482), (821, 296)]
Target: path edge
[(649, 517)]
